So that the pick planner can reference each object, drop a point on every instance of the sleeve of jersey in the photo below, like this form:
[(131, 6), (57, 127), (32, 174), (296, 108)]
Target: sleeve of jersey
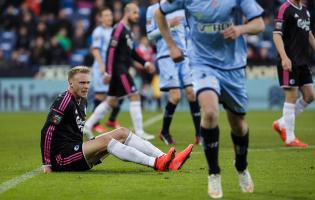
[(116, 35), (280, 19), (251, 9), (168, 6), (55, 116), (137, 57), (96, 39)]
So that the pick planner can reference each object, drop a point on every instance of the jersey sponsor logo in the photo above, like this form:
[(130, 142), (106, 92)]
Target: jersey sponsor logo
[(213, 28), (96, 38), (56, 119), (76, 147), (304, 24), (80, 123)]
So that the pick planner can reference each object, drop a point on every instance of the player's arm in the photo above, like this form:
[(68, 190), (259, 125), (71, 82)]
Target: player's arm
[(97, 56), (311, 40), (153, 32), (95, 50), (280, 23), (175, 52), (252, 27), (160, 19)]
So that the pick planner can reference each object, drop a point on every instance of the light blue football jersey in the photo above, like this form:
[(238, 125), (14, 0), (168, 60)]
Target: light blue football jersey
[(207, 19), (100, 40), (179, 33)]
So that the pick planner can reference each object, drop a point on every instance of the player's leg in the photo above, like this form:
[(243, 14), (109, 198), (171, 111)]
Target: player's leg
[(207, 89), (240, 138), (112, 122), (114, 142), (234, 99), (136, 116), (185, 75), (173, 99), (99, 113), (194, 111), (169, 82)]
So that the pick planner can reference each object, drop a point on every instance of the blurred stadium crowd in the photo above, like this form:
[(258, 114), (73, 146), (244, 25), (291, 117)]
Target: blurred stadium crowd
[(35, 33)]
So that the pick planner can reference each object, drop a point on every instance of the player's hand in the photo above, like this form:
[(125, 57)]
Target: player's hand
[(149, 67), (47, 169), (232, 32), (175, 21), (286, 64), (106, 78), (176, 54)]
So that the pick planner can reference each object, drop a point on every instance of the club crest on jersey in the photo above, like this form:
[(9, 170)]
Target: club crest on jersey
[(56, 119), (76, 147)]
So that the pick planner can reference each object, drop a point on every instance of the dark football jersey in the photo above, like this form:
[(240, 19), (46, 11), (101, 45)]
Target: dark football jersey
[(294, 24), (121, 51), (63, 126)]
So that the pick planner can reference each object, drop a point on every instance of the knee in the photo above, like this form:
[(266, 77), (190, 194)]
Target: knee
[(239, 128), (112, 103), (122, 134), (174, 97), (190, 94), (309, 98), (210, 113)]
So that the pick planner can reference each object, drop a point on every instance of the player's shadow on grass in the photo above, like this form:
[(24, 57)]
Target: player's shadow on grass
[(119, 171)]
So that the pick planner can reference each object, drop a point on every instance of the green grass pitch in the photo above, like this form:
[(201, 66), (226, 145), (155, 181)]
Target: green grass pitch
[(279, 173)]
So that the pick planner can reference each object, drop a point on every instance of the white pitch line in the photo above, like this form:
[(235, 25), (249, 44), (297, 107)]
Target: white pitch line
[(7, 185)]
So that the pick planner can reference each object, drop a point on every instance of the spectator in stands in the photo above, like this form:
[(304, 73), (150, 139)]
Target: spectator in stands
[(79, 37), (23, 39), (42, 30), (63, 39), (58, 55), (39, 53), (117, 10)]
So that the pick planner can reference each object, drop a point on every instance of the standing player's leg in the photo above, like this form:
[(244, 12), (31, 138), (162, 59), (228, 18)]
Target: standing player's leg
[(99, 113), (128, 147), (285, 125), (169, 82), (136, 116), (173, 99), (195, 112), (112, 122)]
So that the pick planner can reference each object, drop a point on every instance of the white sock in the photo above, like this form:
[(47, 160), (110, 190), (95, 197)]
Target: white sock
[(97, 115), (300, 105), (143, 145), (129, 154), (289, 121), (136, 116)]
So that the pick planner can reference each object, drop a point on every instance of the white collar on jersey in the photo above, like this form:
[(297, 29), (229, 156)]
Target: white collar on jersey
[(299, 8)]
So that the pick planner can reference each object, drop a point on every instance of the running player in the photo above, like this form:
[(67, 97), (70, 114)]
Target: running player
[(217, 54)]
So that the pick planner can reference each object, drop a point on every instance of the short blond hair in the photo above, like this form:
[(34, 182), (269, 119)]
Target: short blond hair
[(78, 69)]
